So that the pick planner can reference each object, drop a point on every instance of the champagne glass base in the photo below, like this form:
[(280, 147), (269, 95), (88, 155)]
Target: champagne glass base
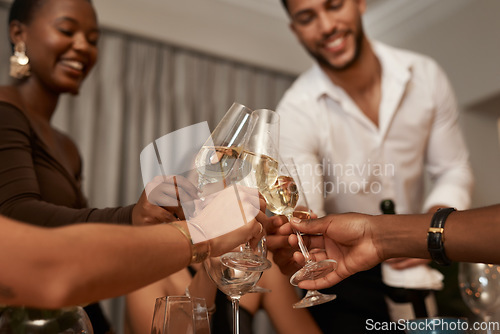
[(245, 261), (313, 270), (313, 297)]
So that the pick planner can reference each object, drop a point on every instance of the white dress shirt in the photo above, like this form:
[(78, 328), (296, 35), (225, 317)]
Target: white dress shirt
[(347, 163)]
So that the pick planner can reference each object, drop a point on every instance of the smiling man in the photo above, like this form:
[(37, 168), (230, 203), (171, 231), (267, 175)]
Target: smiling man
[(365, 123)]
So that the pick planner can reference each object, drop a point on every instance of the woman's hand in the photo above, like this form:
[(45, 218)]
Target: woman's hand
[(163, 200), (225, 211)]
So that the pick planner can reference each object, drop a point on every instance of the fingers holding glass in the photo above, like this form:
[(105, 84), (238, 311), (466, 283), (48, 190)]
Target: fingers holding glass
[(282, 198)]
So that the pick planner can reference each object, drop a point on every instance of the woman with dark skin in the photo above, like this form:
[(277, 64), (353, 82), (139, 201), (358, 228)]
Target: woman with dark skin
[(40, 167), (55, 47)]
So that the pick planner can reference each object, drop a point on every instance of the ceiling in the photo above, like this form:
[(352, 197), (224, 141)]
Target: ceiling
[(459, 34)]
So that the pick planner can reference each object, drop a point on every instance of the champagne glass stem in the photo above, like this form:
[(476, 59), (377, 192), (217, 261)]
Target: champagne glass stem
[(302, 247), (248, 248), (235, 304)]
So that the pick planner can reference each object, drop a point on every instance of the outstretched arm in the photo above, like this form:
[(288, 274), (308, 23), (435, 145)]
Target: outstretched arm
[(52, 268), (358, 242)]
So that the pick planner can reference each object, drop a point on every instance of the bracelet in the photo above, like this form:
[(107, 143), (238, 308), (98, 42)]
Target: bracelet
[(435, 239), (199, 251)]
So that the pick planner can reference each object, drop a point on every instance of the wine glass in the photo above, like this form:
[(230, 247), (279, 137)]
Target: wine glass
[(215, 164), (217, 156), (28, 320), (312, 297), (232, 282), (479, 285), (282, 198), (180, 314), (259, 158), (257, 169)]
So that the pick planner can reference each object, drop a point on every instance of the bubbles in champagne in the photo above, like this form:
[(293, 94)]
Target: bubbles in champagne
[(258, 171), (282, 196)]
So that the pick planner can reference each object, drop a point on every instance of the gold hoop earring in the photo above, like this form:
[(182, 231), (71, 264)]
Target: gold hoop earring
[(19, 62)]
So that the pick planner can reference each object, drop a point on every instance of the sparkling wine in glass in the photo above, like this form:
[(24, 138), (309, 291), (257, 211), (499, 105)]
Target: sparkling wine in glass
[(215, 160), (259, 158), (282, 198)]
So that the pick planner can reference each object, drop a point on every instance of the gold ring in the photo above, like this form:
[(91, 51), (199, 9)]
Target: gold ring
[(261, 228)]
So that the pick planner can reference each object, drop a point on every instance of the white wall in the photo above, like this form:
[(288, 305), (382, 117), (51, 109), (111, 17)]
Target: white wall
[(480, 124), (464, 39)]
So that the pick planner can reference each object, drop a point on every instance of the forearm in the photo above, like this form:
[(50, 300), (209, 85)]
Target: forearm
[(401, 235), (41, 213), (80, 264), (472, 235), (469, 236)]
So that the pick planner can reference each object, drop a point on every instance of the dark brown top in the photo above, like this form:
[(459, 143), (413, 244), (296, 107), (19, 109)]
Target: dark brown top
[(34, 186)]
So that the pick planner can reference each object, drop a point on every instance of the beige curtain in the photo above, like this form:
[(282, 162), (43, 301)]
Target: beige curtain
[(140, 90)]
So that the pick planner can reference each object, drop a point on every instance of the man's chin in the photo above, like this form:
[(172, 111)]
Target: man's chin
[(335, 67)]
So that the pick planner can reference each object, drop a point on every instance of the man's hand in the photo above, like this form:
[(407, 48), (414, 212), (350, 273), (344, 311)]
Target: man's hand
[(346, 238)]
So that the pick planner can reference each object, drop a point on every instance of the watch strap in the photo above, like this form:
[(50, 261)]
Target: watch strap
[(435, 238)]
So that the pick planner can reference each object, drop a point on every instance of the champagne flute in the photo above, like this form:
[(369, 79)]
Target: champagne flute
[(215, 163), (312, 297), (257, 169), (217, 156), (479, 285), (259, 158), (232, 282), (282, 198), (238, 204)]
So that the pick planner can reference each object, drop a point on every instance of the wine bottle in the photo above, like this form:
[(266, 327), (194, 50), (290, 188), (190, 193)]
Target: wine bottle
[(399, 296), (387, 207)]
